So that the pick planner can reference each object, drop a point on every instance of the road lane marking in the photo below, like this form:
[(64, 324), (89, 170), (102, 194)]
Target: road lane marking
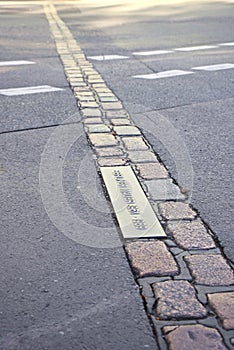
[(29, 90), (215, 67), (107, 57), (165, 74), (160, 52), (149, 53), (15, 63), (227, 44), (196, 48), (132, 208)]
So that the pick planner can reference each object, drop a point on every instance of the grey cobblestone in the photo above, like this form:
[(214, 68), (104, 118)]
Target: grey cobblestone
[(210, 269), (92, 121), (120, 121), (151, 259), (127, 130), (111, 161), (109, 152), (96, 128), (91, 112), (177, 299), (134, 143), (86, 99), (102, 89), (108, 99), (87, 104), (190, 235), (116, 114), (82, 91), (112, 105), (164, 189), (142, 156), (193, 337)]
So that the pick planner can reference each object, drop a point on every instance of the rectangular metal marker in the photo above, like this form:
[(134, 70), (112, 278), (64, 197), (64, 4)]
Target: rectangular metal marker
[(134, 213)]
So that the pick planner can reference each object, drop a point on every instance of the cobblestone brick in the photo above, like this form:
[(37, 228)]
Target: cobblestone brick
[(142, 156), (127, 130), (102, 89), (191, 235), (87, 104), (116, 114), (85, 98), (151, 259), (134, 143), (210, 269), (82, 90), (78, 84), (92, 121), (98, 128), (112, 105), (109, 152), (102, 140), (106, 94), (177, 299), (84, 93), (223, 305), (108, 99), (120, 121), (164, 189), (111, 161), (151, 171), (193, 337), (91, 112), (176, 211)]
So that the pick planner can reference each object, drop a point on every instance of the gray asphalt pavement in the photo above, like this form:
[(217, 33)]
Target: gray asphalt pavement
[(56, 293), (198, 105)]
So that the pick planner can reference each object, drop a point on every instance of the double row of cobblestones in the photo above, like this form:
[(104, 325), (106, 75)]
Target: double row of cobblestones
[(185, 281)]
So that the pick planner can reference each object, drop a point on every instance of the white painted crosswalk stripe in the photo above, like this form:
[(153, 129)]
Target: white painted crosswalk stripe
[(165, 74), (107, 57), (149, 53), (196, 48), (215, 67), (15, 63), (29, 90)]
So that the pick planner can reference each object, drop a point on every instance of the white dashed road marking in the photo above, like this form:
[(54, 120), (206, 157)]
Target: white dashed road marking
[(29, 90), (107, 57), (196, 48), (160, 52), (227, 44), (149, 53), (166, 74), (215, 67), (15, 63)]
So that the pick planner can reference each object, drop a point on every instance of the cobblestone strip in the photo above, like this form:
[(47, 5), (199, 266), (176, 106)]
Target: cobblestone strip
[(185, 281)]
